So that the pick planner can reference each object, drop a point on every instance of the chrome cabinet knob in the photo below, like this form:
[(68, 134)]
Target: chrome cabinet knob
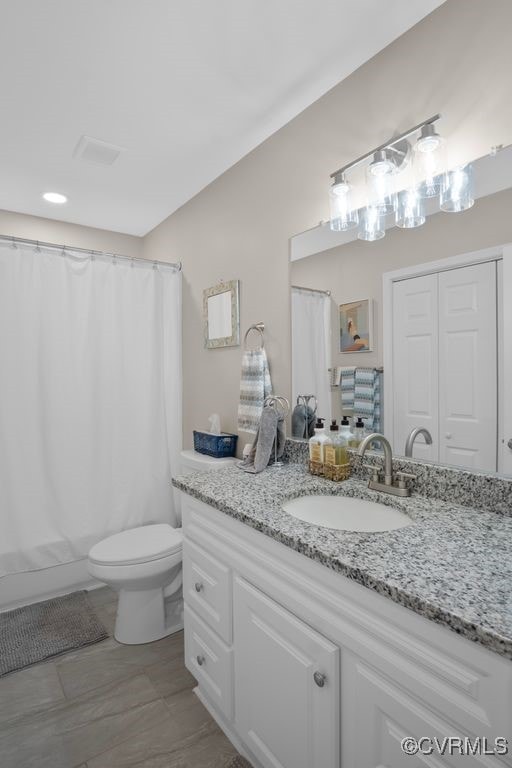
[(198, 586), (448, 435), (320, 679), (510, 443), (200, 660)]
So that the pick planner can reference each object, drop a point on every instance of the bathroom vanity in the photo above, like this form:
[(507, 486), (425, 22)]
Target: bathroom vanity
[(316, 648)]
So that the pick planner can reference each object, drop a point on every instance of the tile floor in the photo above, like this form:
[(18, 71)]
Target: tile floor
[(109, 706)]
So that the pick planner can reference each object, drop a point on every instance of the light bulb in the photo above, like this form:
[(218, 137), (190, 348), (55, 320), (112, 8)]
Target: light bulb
[(55, 197)]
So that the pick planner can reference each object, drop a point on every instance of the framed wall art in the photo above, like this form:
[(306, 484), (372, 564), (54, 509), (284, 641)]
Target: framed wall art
[(356, 326)]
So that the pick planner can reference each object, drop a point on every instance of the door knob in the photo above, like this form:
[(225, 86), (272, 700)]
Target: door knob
[(320, 679), (198, 586), (200, 660)]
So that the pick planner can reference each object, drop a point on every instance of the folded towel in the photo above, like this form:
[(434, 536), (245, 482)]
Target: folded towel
[(347, 387), (303, 421), (367, 398), (255, 386), (271, 428)]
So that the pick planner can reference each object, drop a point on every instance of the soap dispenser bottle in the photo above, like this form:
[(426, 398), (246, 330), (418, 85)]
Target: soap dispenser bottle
[(358, 432), (335, 450), (316, 447), (346, 432)]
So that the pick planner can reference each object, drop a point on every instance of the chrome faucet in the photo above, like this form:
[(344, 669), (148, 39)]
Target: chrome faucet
[(392, 482), (409, 443)]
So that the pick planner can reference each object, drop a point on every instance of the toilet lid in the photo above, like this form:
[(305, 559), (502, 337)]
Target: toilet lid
[(137, 545)]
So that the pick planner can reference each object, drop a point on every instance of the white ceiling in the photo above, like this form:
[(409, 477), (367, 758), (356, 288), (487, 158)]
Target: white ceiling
[(186, 87)]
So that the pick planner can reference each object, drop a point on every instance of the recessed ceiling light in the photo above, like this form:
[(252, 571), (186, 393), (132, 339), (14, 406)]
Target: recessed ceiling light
[(55, 197)]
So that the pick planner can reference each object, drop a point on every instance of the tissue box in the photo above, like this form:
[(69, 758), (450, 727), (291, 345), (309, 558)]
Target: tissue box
[(218, 446)]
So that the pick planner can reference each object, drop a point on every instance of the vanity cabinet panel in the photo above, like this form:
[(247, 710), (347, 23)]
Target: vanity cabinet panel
[(207, 588), (210, 661), (401, 674), (286, 685), (377, 715)]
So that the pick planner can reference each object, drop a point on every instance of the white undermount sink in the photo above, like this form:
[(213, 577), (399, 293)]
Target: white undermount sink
[(346, 513)]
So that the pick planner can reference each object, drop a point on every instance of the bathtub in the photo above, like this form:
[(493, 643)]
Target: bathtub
[(31, 587)]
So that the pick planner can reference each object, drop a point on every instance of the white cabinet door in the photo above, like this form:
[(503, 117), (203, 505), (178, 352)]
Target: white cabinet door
[(468, 430), (378, 715), (286, 718), (415, 364)]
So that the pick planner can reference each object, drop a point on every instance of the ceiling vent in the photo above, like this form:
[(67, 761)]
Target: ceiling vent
[(96, 151)]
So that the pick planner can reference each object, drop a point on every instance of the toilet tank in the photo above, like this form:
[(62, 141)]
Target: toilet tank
[(192, 461)]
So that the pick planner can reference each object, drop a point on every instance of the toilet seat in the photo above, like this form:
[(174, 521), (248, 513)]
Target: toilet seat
[(138, 545)]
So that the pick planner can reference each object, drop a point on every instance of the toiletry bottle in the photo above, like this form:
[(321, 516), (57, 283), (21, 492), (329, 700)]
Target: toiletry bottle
[(346, 432), (316, 443), (329, 445), (335, 450), (358, 432)]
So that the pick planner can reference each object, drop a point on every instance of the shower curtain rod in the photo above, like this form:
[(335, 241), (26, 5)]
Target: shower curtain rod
[(89, 251), (311, 290)]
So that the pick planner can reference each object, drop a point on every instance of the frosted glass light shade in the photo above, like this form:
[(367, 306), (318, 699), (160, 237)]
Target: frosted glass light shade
[(411, 209), (457, 190), (371, 225), (343, 215)]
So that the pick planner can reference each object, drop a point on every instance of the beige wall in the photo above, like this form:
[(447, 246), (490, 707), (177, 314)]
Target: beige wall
[(457, 61), (354, 271), (52, 231)]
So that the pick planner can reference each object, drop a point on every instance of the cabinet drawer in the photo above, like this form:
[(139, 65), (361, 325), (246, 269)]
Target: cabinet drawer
[(207, 588), (210, 661)]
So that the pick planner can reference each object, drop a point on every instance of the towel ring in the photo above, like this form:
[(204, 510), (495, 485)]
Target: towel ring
[(280, 404), (259, 327)]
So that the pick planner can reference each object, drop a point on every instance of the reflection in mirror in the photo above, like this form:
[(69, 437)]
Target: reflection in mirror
[(441, 334), (221, 315), (311, 355)]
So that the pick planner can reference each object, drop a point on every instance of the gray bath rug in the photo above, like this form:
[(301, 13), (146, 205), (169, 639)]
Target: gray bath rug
[(238, 762), (41, 630)]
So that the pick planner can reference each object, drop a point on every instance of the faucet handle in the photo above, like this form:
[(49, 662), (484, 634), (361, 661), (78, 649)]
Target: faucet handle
[(403, 477), (375, 470)]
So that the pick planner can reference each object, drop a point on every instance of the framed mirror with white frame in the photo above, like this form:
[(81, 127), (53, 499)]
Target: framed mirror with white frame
[(442, 326)]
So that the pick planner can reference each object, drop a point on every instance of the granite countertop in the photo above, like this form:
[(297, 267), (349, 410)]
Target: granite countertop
[(452, 565)]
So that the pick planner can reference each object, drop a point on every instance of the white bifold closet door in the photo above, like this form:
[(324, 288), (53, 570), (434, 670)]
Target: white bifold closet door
[(445, 365), (468, 386), (416, 364)]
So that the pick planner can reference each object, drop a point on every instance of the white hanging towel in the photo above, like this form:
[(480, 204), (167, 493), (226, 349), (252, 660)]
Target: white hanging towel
[(255, 386)]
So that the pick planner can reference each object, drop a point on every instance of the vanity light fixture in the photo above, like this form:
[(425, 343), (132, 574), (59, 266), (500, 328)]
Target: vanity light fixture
[(55, 197), (427, 178)]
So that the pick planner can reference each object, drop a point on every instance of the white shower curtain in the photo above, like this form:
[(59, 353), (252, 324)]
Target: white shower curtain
[(311, 348), (90, 401)]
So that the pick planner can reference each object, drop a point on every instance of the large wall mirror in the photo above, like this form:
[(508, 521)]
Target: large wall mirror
[(430, 314)]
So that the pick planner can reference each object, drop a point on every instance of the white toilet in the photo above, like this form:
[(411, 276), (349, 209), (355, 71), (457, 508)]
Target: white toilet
[(144, 565)]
